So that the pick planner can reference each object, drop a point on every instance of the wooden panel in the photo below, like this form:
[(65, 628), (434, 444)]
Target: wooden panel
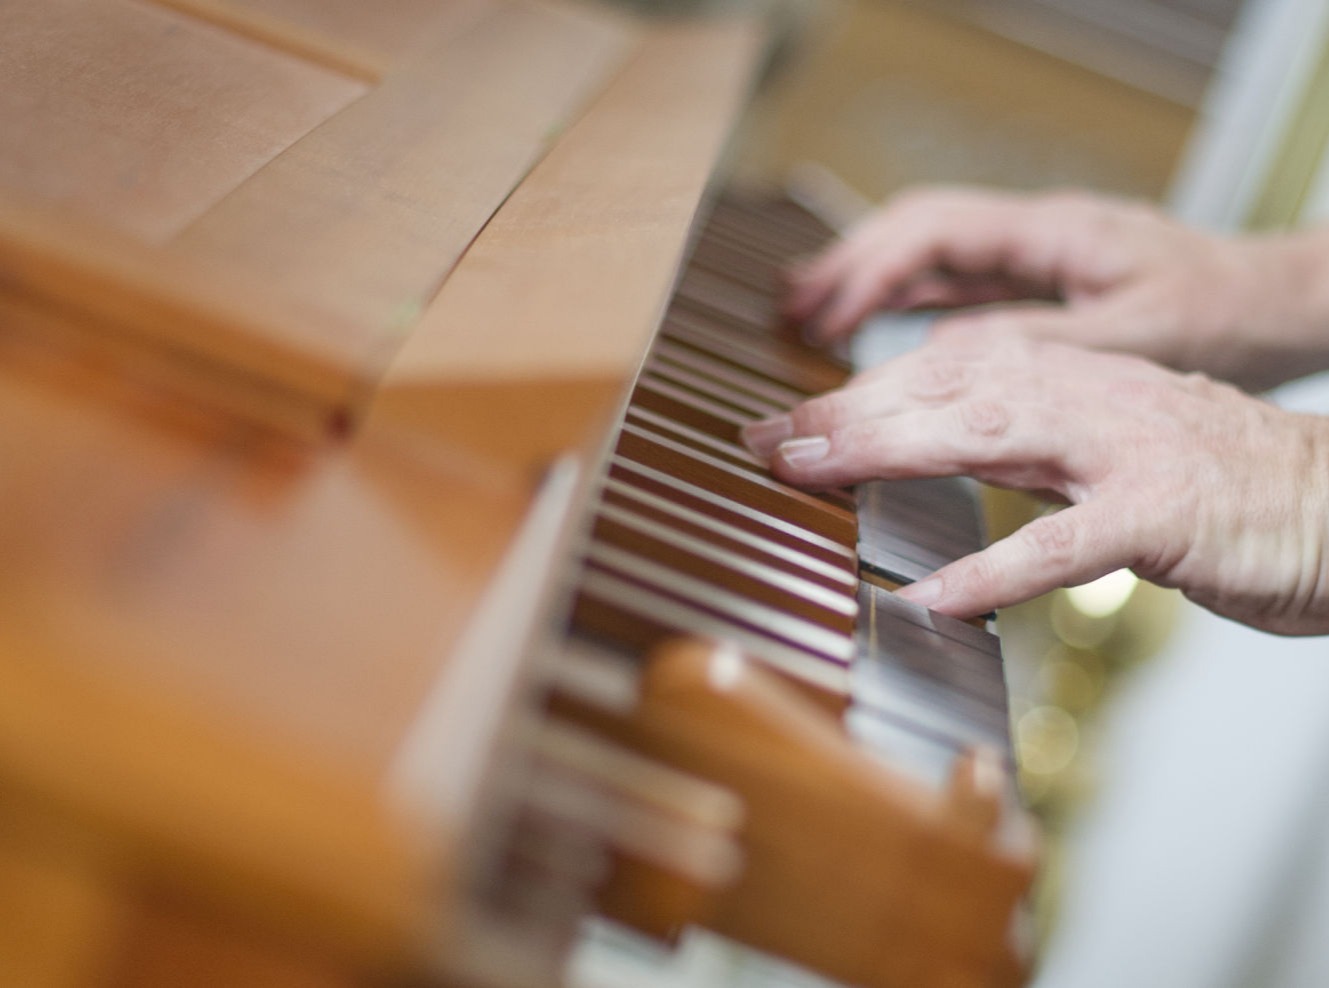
[(58, 920), (368, 213), (211, 333), (160, 791), (235, 666), (168, 945), (531, 341), (142, 118), (362, 39), (911, 886), (308, 594)]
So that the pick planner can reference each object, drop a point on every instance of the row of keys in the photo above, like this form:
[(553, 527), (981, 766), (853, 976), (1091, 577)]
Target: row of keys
[(693, 535)]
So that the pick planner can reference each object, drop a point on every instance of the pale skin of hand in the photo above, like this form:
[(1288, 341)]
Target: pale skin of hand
[(1189, 482), (1104, 273)]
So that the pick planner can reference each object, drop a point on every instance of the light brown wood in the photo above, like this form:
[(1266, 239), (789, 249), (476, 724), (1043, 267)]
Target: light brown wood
[(350, 36), (170, 943), (300, 280), (184, 802), (82, 287), (367, 214), (59, 918), (533, 339), (220, 704), (232, 564), (274, 698), (850, 868), (222, 650), (141, 118)]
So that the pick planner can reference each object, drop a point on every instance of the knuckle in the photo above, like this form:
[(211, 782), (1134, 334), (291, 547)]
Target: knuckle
[(1078, 207), (1097, 216), (968, 332), (862, 445), (1148, 393), (930, 202), (956, 330), (977, 577), (919, 197), (1134, 390), (1199, 383), (1053, 538), (940, 379), (822, 414), (1021, 350), (1069, 199), (986, 419), (1137, 365)]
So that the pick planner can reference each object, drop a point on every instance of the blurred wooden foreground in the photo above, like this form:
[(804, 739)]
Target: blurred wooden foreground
[(316, 317), (278, 507)]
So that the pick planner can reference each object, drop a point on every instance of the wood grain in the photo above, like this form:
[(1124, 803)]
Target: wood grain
[(141, 118), (368, 213), (215, 645), (850, 867), (569, 279), (59, 920), (288, 297), (268, 681), (232, 566), (166, 791), (170, 942), (359, 39), (76, 284)]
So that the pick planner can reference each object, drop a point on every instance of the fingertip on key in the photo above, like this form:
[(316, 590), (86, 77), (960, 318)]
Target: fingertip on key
[(796, 308), (925, 593), (804, 451), (764, 437)]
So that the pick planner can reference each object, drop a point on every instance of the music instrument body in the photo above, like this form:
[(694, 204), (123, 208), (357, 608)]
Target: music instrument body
[(317, 319)]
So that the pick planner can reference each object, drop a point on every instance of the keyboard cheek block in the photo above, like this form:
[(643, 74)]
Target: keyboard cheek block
[(847, 865)]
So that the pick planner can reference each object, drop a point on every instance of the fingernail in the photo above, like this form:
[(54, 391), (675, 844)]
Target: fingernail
[(804, 452), (762, 437), (925, 593)]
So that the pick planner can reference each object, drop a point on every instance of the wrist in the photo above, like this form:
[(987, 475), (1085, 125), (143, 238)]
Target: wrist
[(1306, 263), (1314, 540), (1286, 318)]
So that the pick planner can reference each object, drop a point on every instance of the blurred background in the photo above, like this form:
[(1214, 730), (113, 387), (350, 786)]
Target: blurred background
[(1176, 761), (1022, 93)]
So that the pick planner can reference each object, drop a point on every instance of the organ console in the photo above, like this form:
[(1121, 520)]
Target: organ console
[(386, 589)]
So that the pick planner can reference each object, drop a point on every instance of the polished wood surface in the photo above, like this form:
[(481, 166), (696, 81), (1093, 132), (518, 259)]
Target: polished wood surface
[(832, 837), (269, 705), (526, 347), (315, 332), (345, 35), (369, 213), (167, 118), (305, 216)]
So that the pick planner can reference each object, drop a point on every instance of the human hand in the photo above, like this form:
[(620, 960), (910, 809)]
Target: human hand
[(1189, 482), (1103, 273)]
